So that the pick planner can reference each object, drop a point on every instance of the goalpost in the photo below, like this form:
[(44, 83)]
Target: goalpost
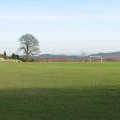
[(96, 58)]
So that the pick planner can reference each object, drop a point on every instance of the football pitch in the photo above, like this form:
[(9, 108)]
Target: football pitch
[(60, 91)]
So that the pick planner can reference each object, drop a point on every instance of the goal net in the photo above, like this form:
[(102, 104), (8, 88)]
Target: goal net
[(96, 59)]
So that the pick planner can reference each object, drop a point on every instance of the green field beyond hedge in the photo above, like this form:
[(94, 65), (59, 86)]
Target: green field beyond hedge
[(59, 91)]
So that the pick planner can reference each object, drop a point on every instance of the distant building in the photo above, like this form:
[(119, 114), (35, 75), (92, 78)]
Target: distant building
[(2, 57)]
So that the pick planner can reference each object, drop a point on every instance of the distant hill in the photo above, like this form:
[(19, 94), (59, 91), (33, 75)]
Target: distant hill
[(109, 56), (112, 56), (52, 56), (106, 54)]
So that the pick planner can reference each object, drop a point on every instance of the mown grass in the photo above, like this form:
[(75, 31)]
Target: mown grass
[(60, 91)]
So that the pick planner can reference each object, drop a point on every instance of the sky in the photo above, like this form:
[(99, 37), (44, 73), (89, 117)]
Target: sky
[(61, 26)]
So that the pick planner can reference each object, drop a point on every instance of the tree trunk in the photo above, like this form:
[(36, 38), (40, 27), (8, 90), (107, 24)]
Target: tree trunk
[(27, 57)]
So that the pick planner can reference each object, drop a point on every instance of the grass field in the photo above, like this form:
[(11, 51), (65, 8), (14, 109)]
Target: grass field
[(59, 91)]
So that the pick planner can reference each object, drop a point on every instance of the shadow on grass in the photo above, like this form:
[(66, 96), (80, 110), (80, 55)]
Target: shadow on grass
[(59, 104)]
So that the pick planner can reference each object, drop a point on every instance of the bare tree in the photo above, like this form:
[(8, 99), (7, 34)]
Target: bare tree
[(29, 45), (83, 54)]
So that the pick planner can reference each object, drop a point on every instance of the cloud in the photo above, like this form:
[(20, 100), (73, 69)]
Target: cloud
[(29, 17), (38, 18)]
